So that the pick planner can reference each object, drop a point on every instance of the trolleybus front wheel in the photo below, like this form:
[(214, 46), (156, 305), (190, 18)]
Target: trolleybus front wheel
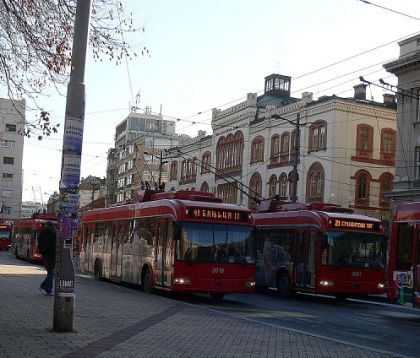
[(147, 281), (97, 270)]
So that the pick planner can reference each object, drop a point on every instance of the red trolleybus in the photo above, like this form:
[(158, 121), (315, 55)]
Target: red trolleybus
[(25, 236), (404, 255), (181, 241), (318, 248), (5, 235)]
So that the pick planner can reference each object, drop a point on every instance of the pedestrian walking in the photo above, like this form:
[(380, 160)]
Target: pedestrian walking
[(46, 245)]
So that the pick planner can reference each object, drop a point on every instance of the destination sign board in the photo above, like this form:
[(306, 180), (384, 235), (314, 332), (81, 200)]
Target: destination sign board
[(355, 224), (217, 214)]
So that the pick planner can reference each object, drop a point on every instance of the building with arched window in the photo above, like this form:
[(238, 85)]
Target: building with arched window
[(343, 149)]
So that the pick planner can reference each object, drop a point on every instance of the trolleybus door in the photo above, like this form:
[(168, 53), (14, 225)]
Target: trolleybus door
[(163, 262), (305, 254)]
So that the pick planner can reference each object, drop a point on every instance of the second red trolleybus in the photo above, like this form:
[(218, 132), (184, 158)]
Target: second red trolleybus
[(319, 248), (25, 235), (404, 255), (181, 241), (5, 235)]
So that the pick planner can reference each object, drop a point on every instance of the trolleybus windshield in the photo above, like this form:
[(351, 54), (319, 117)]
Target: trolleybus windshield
[(5, 234), (353, 249), (209, 242)]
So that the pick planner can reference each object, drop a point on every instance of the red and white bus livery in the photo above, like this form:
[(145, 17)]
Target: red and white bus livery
[(318, 248), (181, 241), (5, 235), (404, 255), (25, 235)]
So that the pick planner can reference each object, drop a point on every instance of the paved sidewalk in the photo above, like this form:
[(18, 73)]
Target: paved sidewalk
[(114, 321)]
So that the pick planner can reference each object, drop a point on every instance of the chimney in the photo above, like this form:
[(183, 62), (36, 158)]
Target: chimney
[(389, 99), (360, 91)]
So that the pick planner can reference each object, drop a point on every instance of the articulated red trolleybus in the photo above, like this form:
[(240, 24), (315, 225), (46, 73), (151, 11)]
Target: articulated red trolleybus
[(25, 235), (404, 255), (318, 248), (181, 241), (5, 235)]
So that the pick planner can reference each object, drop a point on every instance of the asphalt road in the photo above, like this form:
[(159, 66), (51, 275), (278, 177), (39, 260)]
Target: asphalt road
[(377, 325)]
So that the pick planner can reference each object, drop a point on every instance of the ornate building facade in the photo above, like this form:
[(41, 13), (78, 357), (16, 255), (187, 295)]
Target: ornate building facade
[(342, 149)]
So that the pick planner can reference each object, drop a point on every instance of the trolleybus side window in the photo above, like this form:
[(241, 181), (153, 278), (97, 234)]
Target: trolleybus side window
[(404, 246)]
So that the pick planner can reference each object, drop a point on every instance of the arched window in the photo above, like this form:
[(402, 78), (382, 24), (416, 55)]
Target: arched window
[(257, 150), (275, 149), (239, 148), (364, 145), (219, 153), (386, 183), (229, 152), (183, 170), (272, 185), (227, 192), (205, 163), (204, 187), (315, 183), (283, 186), (284, 149), (174, 171), (255, 184), (388, 144), (317, 136), (363, 179)]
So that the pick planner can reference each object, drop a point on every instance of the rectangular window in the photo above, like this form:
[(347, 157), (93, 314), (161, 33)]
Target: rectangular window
[(8, 143), (8, 160), (7, 176), (6, 193), (10, 127)]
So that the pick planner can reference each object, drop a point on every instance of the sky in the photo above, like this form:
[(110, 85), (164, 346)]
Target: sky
[(210, 54)]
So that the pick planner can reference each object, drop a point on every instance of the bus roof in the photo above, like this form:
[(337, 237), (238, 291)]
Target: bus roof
[(318, 218), (195, 207), (407, 211)]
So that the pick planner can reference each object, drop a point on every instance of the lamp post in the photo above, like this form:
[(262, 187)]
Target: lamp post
[(295, 178)]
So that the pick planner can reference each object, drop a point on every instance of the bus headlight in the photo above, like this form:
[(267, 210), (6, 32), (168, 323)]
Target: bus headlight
[(326, 283), (380, 285), (250, 283), (182, 281)]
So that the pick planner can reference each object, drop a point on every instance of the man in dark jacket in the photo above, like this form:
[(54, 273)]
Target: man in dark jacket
[(46, 245)]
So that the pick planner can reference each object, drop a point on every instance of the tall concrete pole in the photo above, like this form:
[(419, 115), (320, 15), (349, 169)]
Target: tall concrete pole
[(70, 172)]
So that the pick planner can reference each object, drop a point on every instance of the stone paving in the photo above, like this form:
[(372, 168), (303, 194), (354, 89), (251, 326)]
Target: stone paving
[(114, 321)]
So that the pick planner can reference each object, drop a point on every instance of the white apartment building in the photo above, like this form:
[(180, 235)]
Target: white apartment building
[(346, 151), (135, 162), (12, 125), (407, 69)]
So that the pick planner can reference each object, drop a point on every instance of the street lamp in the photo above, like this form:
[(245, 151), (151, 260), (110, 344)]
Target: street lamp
[(161, 162), (297, 125)]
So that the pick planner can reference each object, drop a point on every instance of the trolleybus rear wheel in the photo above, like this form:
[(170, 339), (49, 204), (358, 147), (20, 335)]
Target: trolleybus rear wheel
[(283, 288), (147, 281)]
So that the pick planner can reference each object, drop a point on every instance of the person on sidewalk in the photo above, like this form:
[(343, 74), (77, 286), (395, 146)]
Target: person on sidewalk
[(46, 245)]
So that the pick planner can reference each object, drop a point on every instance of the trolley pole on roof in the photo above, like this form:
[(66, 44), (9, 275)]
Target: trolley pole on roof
[(70, 172)]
